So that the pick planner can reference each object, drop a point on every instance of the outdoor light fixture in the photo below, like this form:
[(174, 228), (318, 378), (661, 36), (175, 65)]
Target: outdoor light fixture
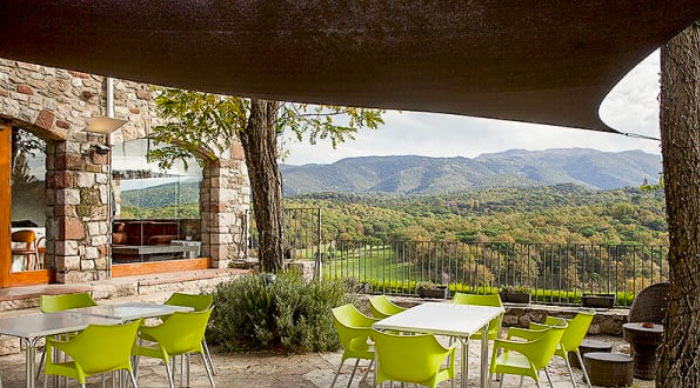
[(104, 125)]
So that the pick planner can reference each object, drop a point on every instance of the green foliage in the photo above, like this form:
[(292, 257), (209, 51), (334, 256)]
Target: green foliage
[(204, 125), (162, 195), (539, 295), (291, 315), (561, 214)]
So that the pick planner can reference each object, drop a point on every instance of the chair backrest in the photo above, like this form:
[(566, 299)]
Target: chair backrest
[(24, 236), (491, 300), (54, 303), (199, 302), (544, 347), (576, 330), (101, 348), (382, 307), (651, 304), (347, 319), (408, 358), (183, 332)]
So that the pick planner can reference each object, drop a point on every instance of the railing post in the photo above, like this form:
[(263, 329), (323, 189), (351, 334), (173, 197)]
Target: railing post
[(319, 259)]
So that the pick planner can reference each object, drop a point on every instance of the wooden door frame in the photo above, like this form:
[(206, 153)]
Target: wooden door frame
[(8, 279)]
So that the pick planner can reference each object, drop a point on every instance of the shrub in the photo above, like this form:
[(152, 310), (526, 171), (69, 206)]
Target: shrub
[(291, 315)]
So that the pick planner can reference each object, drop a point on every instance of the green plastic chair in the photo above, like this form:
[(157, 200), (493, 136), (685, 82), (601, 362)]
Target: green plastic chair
[(571, 340), (492, 300), (527, 359), (198, 302), (382, 307), (97, 349), (180, 334), (56, 303), (354, 329), (416, 359)]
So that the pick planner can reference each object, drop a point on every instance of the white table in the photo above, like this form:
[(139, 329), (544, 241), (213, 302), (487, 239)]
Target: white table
[(125, 312), (454, 320), (30, 328)]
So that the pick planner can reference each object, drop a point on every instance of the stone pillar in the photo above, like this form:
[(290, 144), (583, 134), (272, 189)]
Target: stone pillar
[(224, 197), (77, 191)]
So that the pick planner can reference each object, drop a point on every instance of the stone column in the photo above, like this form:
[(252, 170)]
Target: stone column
[(224, 197), (77, 193)]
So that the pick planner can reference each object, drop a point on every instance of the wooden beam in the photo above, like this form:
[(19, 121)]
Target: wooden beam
[(5, 202)]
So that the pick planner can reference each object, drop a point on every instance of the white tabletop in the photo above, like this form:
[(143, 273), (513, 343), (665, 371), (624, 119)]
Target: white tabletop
[(441, 318), (131, 311), (41, 325)]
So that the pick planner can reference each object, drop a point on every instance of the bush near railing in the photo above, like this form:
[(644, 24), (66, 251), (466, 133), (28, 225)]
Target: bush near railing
[(290, 315), (538, 295)]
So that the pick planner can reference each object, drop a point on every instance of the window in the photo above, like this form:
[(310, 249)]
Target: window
[(156, 211)]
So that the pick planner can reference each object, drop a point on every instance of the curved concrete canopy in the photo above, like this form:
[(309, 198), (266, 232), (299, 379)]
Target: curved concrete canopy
[(546, 61)]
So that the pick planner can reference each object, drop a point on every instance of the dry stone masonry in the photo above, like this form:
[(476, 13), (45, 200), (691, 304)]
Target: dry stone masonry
[(56, 105)]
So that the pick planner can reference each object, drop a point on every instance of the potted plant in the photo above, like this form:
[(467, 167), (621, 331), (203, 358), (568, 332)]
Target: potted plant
[(599, 300), (513, 294), (432, 290)]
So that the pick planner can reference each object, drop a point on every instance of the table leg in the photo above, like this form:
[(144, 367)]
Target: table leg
[(30, 344), (484, 356), (465, 362)]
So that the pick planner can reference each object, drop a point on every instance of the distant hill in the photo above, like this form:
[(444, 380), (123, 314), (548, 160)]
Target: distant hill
[(424, 175), (161, 195)]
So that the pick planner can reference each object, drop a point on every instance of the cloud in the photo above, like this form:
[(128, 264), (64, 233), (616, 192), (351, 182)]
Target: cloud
[(630, 107)]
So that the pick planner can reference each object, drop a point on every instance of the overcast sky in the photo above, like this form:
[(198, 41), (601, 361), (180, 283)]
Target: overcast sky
[(631, 107)]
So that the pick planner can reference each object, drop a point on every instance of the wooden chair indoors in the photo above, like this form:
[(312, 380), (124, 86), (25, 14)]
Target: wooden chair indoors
[(28, 237)]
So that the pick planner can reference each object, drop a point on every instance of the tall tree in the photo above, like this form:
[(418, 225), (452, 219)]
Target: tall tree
[(206, 124), (680, 141)]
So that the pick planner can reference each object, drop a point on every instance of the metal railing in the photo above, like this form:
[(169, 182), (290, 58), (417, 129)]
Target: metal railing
[(551, 273), (302, 233)]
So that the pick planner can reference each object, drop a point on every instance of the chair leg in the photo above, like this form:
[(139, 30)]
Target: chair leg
[(501, 384), (571, 372), (522, 378), (549, 378), (538, 384), (364, 377), (206, 350), (133, 379), (337, 373), (170, 376), (41, 363), (208, 368), (188, 369), (583, 368), (352, 376)]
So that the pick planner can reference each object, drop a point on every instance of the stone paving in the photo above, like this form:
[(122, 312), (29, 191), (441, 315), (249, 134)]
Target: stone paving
[(271, 370)]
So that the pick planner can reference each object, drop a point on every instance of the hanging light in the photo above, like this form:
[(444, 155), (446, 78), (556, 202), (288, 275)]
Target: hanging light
[(104, 125)]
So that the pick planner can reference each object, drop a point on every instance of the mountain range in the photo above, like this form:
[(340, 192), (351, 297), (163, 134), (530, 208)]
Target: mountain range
[(425, 175)]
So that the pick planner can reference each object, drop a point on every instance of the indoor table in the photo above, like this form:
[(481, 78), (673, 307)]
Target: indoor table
[(448, 319), (30, 328)]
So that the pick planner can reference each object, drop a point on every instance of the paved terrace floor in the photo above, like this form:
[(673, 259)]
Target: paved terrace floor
[(271, 370)]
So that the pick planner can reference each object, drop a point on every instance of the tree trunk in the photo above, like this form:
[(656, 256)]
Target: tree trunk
[(260, 145), (680, 140)]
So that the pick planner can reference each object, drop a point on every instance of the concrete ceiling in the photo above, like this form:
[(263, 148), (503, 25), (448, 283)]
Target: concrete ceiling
[(546, 61)]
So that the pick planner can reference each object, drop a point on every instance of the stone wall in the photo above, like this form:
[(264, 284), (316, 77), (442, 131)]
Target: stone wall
[(57, 105), (223, 198)]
